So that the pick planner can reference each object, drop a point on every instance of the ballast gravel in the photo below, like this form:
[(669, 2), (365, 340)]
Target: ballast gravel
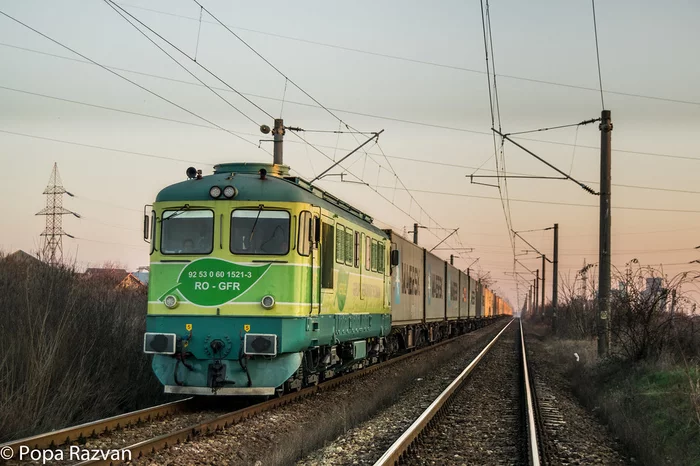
[(366, 443), (282, 436), (573, 435), (482, 423), (129, 435)]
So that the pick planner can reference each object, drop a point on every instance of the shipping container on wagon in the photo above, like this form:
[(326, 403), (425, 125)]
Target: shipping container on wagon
[(479, 307), (452, 292), (473, 293), (464, 295), (487, 299), (406, 281), (434, 288)]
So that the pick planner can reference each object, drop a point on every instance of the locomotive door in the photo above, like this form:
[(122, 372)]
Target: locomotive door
[(315, 262)]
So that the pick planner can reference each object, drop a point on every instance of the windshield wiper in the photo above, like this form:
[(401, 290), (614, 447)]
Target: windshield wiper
[(252, 230), (179, 211)]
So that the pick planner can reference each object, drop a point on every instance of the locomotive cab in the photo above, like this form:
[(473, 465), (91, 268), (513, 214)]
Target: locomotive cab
[(244, 286)]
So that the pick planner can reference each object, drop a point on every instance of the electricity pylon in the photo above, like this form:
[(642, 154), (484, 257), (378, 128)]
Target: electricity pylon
[(52, 250)]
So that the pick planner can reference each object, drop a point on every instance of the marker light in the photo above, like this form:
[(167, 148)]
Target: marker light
[(267, 302), (229, 192), (170, 301), (215, 192)]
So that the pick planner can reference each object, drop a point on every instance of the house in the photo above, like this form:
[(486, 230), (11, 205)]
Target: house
[(135, 280), (120, 278)]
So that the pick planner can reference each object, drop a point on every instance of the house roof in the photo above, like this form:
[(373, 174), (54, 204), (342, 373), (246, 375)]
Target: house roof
[(21, 256), (106, 271)]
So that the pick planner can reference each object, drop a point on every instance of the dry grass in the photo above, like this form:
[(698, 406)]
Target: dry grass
[(71, 349), (648, 405)]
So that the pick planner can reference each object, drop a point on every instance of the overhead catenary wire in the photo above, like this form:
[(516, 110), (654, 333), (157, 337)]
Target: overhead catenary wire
[(175, 159), (122, 12), (488, 46), (429, 162), (123, 77), (265, 60), (329, 111), (419, 61), (365, 114)]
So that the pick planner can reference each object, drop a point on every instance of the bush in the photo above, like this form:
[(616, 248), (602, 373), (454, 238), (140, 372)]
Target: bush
[(72, 348)]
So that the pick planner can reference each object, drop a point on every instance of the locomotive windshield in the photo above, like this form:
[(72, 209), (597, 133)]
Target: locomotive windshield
[(261, 232), (187, 232)]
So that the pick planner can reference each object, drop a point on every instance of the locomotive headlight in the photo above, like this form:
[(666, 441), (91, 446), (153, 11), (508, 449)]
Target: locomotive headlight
[(215, 192), (229, 192), (267, 302), (170, 301)]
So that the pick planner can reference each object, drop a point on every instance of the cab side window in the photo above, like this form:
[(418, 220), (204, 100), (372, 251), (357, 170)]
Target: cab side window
[(304, 236)]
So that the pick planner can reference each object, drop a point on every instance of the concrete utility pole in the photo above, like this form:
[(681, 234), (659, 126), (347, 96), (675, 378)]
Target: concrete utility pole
[(544, 262), (537, 285), (555, 268), (278, 136), (529, 300), (555, 275), (606, 127)]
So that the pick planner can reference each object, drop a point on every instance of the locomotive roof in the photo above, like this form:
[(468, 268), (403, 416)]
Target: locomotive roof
[(277, 186)]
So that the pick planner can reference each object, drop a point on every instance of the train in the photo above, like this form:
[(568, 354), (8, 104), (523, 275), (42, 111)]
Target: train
[(262, 283)]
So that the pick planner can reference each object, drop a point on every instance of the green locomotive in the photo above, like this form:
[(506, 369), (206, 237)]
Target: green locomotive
[(260, 280), (263, 283)]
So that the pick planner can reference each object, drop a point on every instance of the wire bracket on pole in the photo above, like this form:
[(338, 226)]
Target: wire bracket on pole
[(375, 136), (582, 185), (444, 239)]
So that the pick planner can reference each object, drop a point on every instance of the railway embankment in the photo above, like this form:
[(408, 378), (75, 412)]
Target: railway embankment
[(293, 431), (645, 409)]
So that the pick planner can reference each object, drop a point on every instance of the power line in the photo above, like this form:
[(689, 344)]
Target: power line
[(533, 201), (93, 146), (421, 62), (104, 107), (408, 159), (116, 8), (123, 77), (364, 114)]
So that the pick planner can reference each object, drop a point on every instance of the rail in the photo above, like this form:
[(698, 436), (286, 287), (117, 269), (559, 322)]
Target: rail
[(90, 429), (401, 446), (532, 430)]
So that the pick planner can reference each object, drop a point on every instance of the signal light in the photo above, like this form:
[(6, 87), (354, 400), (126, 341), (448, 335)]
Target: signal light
[(215, 192)]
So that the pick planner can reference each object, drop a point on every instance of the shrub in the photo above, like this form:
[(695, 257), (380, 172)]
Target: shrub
[(72, 348)]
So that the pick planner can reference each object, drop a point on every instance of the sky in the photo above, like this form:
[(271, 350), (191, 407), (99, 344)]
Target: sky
[(414, 69)]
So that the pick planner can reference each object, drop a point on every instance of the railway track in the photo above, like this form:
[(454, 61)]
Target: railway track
[(487, 415), (212, 423)]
